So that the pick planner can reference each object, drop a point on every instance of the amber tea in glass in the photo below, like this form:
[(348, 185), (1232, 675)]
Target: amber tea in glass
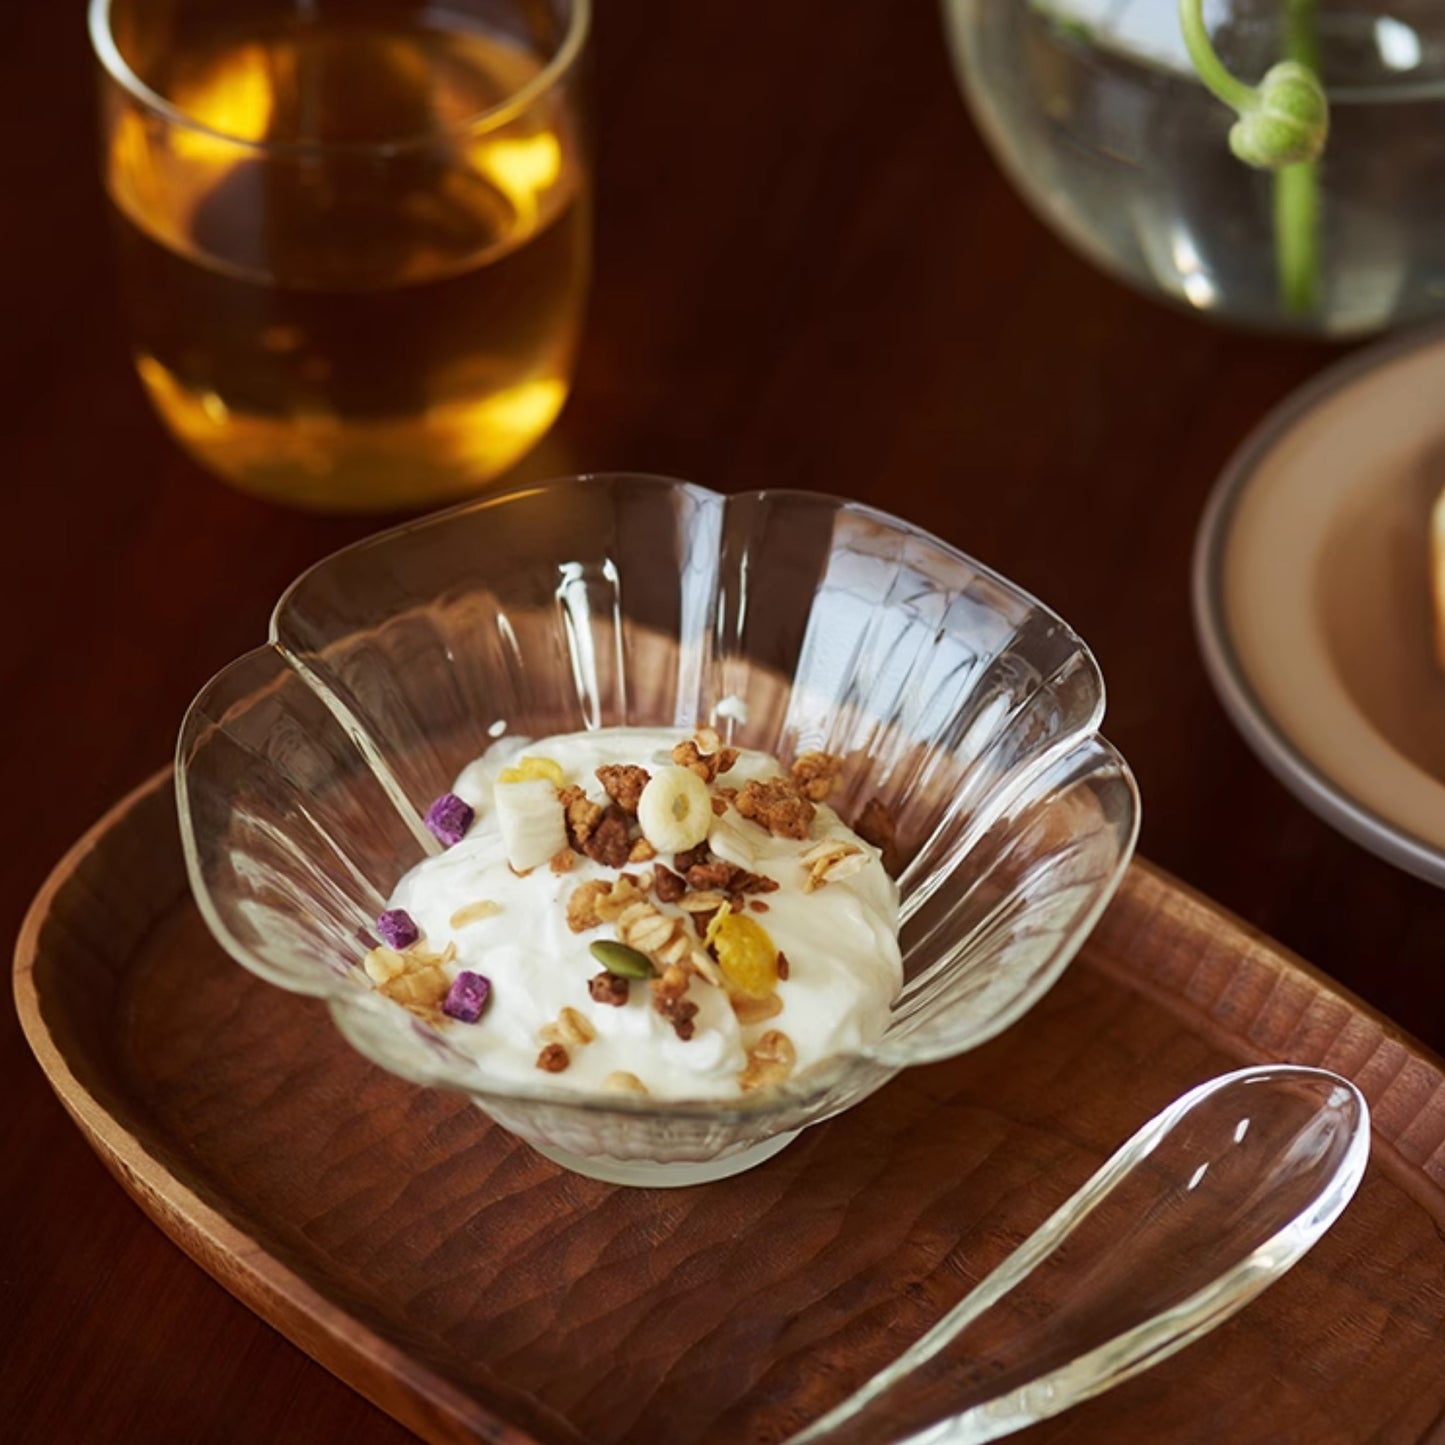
[(354, 234)]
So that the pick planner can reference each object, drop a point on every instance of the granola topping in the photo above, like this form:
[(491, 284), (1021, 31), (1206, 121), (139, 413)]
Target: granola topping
[(770, 1061), (778, 806), (705, 755), (670, 887), (708, 901), (415, 977), (580, 813), (574, 1027), (709, 875), (554, 1058), (755, 1010), (383, 964), (608, 842), (475, 912), (582, 911), (692, 858), (624, 783), (625, 890), (610, 989), (753, 937), (830, 862), (669, 999)]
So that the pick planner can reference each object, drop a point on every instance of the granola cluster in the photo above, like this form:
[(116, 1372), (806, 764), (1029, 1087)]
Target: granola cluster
[(603, 900), (415, 977), (705, 755), (611, 834), (777, 805), (623, 783), (609, 988), (785, 805), (814, 774)]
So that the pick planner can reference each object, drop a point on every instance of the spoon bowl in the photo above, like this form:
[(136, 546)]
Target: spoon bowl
[(1208, 1204)]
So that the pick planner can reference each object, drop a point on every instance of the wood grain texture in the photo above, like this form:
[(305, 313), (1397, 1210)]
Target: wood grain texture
[(474, 1291), (808, 273)]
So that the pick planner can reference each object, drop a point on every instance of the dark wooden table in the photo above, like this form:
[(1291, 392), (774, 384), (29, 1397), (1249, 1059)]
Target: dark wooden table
[(809, 274)]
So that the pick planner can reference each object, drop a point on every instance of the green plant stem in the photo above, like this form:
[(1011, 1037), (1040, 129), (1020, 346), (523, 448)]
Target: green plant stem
[(1238, 96), (1296, 236), (1301, 38), (1297, 188)]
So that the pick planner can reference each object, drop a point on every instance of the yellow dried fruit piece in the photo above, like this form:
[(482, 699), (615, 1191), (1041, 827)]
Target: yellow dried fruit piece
[(533, 770), (745, 953)]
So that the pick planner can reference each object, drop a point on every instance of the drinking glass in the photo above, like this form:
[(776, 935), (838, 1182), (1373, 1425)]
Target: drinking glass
[(353, 234), (1096, 112)]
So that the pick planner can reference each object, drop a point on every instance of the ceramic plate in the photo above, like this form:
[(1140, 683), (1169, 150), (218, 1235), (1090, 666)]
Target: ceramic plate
[(1312, 601)]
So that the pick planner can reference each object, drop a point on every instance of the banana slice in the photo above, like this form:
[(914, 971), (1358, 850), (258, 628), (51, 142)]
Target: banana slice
[(531, 821), (675, 810)]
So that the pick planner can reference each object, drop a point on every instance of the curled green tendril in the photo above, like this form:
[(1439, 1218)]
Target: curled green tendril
[(1288, 123), (1282, 126)]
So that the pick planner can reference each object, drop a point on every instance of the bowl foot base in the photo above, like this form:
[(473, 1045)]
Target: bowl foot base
[(647, 1174)]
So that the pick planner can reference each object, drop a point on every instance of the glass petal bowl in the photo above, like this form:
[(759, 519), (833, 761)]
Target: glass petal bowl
[(305, 767)]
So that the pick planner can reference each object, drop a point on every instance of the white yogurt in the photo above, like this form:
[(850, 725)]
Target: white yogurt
[(841, 940)]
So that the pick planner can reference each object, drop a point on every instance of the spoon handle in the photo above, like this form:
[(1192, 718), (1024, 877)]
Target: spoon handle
[(1209, 1203)]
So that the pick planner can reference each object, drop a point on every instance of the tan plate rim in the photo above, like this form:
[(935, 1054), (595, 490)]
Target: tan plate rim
[(1327, 797)]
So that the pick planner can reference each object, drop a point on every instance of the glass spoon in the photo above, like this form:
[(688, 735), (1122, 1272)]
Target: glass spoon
[(1208, 1204)]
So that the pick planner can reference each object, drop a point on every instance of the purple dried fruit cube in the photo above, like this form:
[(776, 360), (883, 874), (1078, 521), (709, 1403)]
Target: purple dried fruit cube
[(397, 928), (449, 818), (467, 997)]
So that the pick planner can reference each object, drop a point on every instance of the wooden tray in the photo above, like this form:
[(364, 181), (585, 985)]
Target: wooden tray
[(475, 1292)]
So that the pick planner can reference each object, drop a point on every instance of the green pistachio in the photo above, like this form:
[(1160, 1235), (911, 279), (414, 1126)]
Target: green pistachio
[(618, 958)]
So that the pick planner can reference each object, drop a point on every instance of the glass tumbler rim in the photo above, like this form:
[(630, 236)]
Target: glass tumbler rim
[(562, 62)]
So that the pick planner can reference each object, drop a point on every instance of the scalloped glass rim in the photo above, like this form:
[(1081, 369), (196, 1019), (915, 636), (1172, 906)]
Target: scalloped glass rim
[(1075, 758)]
